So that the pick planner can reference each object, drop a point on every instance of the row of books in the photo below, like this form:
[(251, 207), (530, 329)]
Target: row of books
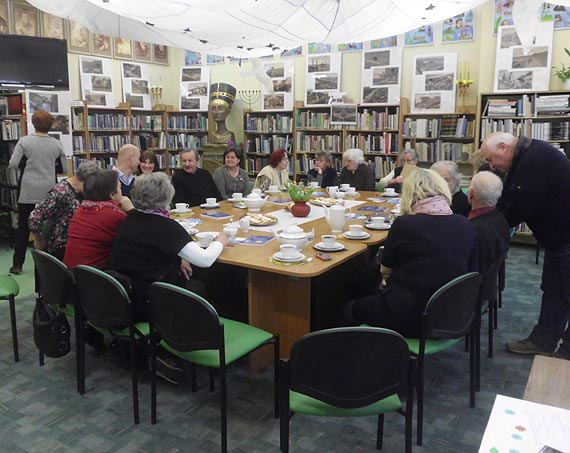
[(182, 141), (268, 123), (149, 141), (438, 150), (146, 122), (266, 144), (553, 104), (106, 163), (316, 143), (11, 129), (375, 120), (107, 121), (197, 122), (509, 107), (488, 126), (550, 131), (315, 120), (103, 143), (382, 166), (9, 197), (9, 176), (374, 143), (255, 164), (421, 127), (456, 126)]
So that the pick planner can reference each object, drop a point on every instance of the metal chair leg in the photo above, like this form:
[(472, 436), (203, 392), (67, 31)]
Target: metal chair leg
[(134, 382), (420, 382), (223, 404), (276, 374), (14, 330), (380, 432)]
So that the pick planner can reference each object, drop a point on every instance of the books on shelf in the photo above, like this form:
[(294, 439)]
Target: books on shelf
[(196, 122), (106, 143), (421, 127), (9, 176), (512, 126), (378, 120), (107, 121), (146, 122), (277, 123), (180, 141), (313, 120), (150, 141), (316, 143), (11, 129), (558, 104), (386, 143), (266, 144)]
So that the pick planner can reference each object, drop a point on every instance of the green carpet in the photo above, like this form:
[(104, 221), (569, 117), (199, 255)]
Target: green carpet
[(26, 278)]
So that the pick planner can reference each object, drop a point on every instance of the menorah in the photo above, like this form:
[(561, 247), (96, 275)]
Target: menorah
[(249, 96), (156, 94)]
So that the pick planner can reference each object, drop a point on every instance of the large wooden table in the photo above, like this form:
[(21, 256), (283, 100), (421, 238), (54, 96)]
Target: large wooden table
[(280, 295), (549, 382)]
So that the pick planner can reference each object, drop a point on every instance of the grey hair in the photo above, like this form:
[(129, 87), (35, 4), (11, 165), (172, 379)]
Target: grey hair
[(86, 169), (190, 150), (325, 155), (410, 151), (486, 187), (452, 168), (152, 191), (354, 154), (499, 137)]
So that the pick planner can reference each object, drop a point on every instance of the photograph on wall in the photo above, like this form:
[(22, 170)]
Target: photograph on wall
[(516, 71), (350, 47), (283, 78), (327, 81), (91, 65), (191, 74), (315, 47), (509, 38), (189, 104), (274, 70), (295, 52), (132, 71), (101, 83), (284, 85), (43, 100), (194, 88), (459, 28), (123, 49), (214, 59), (136, 85), (381, 76), (99, 91), (274, 101), (421, 36), (323, 79), (24, 19), (143, 52), (52, 26), (317, 98), (433, 83), (385, 76), (78, 38), (192, 58), (383, 43), (344, 114), (95, 99), (101, 45), (4, 20), (559, 14), (160, 54), (322, 63), (377, 58), (372, 95), (136, 102)]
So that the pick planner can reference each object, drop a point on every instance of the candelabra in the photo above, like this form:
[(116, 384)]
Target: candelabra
[(249, 96), (156, 94), (463, 85)]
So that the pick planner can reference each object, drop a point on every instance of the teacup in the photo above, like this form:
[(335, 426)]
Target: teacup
[(356, 230), (244, 223), (288, 250), (237, 196), (204, 239), (344, 187), (181, 206), (273, 189), (314, 184), (329, 240), (340, 195), (351, 191), (230, 231), (332, 191), (377, 222), (389, 191), (211, 201), (256, 191)]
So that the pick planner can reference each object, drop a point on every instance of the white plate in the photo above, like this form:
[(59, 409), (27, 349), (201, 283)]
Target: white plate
[(181, 211), (337, 246), (273, 192), (354, 194), (210, 206), (235, 200), (364, 235), (289, 259), (385, 195), (385, 226)]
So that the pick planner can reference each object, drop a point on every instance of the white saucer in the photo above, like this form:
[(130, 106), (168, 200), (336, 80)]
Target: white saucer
[(289, 259), (192, 231), (273, 192), (181, 211), (364, 235), (235, 200), (210, 206), (337, 246), (385, 226), (385, 195), (353, 194)]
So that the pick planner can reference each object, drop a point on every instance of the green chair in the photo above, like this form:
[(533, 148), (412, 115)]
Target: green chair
[(9, 289), (348, 372), (449, 316), (190, 328), (105, 304)]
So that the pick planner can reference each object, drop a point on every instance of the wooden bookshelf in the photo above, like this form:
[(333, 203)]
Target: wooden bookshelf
[(185, 130), (148, 129)]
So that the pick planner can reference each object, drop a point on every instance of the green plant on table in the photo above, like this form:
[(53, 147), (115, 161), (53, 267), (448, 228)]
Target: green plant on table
[(563, 73), (298, 192)]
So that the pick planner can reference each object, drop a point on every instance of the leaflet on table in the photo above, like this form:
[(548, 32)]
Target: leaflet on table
[(372, 208), (216, 215), (258, 240), (526, 427)]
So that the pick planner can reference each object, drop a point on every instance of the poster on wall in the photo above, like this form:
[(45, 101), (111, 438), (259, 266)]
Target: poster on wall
[(433, 83), (282, 74), (350, 47), (322, 78), (192, 58), (381, 76), (382, 43), (422, 36), (96, 76), (315, 47), (136, 85), (459, 28), (194, 88), (516, 71), (295, 52), (58, 103), (558, 14)]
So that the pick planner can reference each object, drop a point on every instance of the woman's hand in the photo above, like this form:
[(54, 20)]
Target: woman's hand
[(223, 238), (186, 269), (398, 180), (125, 203)]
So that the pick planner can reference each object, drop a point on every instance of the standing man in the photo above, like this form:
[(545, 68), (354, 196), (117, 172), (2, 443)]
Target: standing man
[(192, 184), (536, 191), (128, 161)]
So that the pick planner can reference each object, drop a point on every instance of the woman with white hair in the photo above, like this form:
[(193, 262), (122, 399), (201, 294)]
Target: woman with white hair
[(427, 247), (394, 179), (355, 171), (449, 171)]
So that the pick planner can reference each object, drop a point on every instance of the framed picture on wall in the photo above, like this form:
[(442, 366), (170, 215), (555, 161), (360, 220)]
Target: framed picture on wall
[(123, 49), (78, 38), (101, 45), (52, 26), (24, 19), (159, 54), (4, 20), (143, 51)]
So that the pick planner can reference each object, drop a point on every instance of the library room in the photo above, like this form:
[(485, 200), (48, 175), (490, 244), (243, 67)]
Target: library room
[(326, 226)]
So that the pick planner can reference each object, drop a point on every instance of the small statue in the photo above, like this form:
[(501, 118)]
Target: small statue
[(222, 97)]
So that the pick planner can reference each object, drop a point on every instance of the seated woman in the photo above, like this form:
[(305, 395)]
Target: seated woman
[(393, 179), (322, 172), (230, 178), (94, 226), (274, 174), (148, 163), (150, 246), (355, 171), (427, 247), (449, 171)]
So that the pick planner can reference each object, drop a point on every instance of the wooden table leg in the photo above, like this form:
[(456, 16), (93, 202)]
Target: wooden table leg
[(279, 304)]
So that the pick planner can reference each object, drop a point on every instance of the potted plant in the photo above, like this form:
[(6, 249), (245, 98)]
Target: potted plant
[(300, 195), (563, 72)]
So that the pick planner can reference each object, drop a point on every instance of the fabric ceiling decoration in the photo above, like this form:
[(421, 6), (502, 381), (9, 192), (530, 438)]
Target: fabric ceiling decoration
[(248, 28)]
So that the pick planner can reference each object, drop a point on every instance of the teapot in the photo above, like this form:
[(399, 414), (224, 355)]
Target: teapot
[(295, 235), (336, 217)]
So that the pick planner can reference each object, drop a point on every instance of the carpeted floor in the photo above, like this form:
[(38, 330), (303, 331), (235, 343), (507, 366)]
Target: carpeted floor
[(40, 411)]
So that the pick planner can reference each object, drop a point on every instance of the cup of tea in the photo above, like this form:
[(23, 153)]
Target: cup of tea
[(230, 231), (273, 189), (329, 240), (344, 187), (314, 184), (351, 191), (340, 195), (356, 230), (204, 239), (332, 191), (210, 201), (377, 222), (256, 191), (237, 196), (288, 250), (244, 223), (389, 191), (181, 206)]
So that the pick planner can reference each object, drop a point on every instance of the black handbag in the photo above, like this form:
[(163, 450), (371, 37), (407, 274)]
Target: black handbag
[(51, 330)]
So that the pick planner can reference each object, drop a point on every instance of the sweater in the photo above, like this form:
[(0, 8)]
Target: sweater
[(194, 188), (329, 177), (362, 178), (228, 185)]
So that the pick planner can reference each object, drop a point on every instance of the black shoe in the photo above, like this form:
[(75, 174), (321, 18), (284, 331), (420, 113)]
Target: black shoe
[(16, 270)]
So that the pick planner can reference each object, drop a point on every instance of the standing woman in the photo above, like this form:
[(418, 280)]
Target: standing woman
[(274, 174), (230, 178), (38, 177), (148, 163)]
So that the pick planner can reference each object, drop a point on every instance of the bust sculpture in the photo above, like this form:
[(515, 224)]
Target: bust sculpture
[(222, 97)]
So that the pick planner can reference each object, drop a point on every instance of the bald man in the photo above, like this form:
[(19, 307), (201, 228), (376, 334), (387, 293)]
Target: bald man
[(536, 191), (128, 161)]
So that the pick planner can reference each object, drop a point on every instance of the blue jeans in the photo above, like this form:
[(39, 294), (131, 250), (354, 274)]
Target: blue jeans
[(555, 310)]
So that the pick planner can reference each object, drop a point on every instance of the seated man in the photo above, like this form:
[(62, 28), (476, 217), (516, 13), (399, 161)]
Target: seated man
[(449, 171), (490, 224), (193, 185)]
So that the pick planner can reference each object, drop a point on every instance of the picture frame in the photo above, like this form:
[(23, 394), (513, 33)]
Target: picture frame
[(78, 38), (160, 54), (4, 18), (142, 52), (52, 26), (122, 49), (24, 19), (101, 45)]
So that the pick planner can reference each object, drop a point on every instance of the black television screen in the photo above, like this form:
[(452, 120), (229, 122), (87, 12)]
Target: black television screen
[(33, 61)]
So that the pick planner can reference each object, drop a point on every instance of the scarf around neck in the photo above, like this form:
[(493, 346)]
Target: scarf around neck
[(437, 205), (159, 211)]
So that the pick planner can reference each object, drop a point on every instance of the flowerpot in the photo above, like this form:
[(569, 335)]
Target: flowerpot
[(300, 209)]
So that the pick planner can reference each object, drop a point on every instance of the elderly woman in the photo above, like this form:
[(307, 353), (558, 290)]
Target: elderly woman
[(274, 174), (38, 176), (394, 179), (230, 178), (95, 224), (322, 172), (427, 247), (449, 171), (148, 163), (150, 246), (53, 214), (355, 171)]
